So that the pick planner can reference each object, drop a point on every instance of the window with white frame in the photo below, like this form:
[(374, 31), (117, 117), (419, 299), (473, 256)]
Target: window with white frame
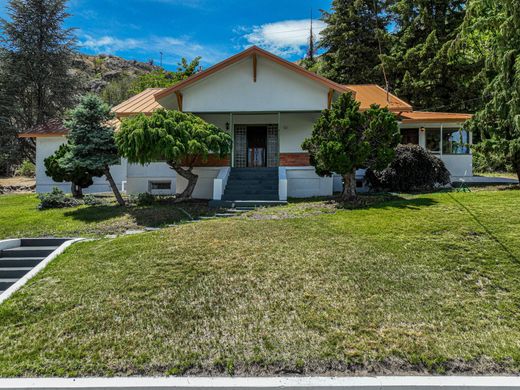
[(433, 140), (455, 141)]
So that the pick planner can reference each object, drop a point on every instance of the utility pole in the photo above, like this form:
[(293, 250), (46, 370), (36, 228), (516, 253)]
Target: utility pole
[(161, 53)]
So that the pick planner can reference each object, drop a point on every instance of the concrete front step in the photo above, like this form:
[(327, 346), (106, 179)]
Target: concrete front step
[(19, 261), (13, 272), (31, 251), (251, 197)]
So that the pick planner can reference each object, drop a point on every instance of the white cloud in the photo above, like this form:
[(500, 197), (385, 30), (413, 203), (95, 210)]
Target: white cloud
[(172, 48), (288, 37)]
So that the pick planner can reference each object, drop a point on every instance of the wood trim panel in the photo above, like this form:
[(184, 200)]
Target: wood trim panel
[(254, 67), (330, 95), (179, 100)]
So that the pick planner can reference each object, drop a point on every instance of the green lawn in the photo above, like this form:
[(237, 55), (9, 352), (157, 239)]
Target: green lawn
[(19, 217), (429, 283)]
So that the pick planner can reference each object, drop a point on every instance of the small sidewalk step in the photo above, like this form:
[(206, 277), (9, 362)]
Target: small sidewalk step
[(32, 242), (30, 251), (20, 261), (13, 272), (7, 282)]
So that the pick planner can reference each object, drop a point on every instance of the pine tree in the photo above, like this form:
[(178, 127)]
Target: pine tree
[(355, 30), (345, 139), (423, 69), (36, 55), (91, 141), (498, 25)]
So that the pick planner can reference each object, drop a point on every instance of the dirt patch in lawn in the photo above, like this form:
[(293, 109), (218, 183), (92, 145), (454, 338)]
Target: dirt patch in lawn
[(16, 184)]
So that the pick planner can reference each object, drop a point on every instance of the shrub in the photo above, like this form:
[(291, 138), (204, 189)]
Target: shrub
[(91, 200), (413, 169), (490, 162), (56, 199), (142, 199), (26, 169)]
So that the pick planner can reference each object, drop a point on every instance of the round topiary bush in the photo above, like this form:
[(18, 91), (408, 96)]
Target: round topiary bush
[(413, 169)]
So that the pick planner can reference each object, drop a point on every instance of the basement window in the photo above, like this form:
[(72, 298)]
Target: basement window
[(160, 187)]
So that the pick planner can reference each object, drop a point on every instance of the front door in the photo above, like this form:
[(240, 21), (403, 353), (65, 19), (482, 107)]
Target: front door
[(256, 146)]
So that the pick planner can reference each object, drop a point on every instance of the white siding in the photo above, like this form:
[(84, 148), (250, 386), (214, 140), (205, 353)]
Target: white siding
[(233, 90)]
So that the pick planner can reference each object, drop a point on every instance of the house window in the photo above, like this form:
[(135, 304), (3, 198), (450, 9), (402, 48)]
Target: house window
[(410, 136), (455, 141), (160, 187), (433, 140)]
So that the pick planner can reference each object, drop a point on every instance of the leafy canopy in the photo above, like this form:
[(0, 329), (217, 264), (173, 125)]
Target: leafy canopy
[(177, 137), (163, 78), (345, 139)]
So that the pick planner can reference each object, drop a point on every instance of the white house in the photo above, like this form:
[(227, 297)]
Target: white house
[(269, 106)]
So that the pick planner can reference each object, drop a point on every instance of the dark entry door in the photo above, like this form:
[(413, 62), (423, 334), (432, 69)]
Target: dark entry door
[(257, 146)]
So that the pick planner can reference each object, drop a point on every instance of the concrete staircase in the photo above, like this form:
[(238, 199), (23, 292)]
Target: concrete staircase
[(16, 262), (250, 187)]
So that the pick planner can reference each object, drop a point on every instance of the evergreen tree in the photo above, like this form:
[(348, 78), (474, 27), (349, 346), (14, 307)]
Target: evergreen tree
[(79, 177), (422, 68), (345, 139), (498, 23), (36, 54), (182, 139), (91, 141), (356, 32)]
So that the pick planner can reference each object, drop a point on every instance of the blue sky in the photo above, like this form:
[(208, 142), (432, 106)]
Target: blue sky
[(213, 29)]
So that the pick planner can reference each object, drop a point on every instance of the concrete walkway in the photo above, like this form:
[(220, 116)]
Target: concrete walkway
[(266, 383), (457, 181)]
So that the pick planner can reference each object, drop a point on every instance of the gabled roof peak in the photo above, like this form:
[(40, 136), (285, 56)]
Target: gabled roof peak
[(253, 50)]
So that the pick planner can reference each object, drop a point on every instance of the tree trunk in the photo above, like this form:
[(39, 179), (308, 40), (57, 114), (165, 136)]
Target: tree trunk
[(188, 175), (115, 190), (76, 191), (349, 186)]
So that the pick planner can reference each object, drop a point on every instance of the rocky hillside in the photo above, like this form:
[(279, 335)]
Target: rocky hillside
[(97, 71)]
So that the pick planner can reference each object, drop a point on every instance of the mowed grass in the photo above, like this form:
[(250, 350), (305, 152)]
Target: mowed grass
[(19, 217), (425, 284)]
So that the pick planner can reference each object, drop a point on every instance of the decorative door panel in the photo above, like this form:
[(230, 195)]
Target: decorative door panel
[(273, 148), (240, 146)]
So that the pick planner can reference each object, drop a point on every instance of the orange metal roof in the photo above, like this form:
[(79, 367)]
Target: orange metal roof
[(425, 116), (143, 102), (242, 55), (368, 94)]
